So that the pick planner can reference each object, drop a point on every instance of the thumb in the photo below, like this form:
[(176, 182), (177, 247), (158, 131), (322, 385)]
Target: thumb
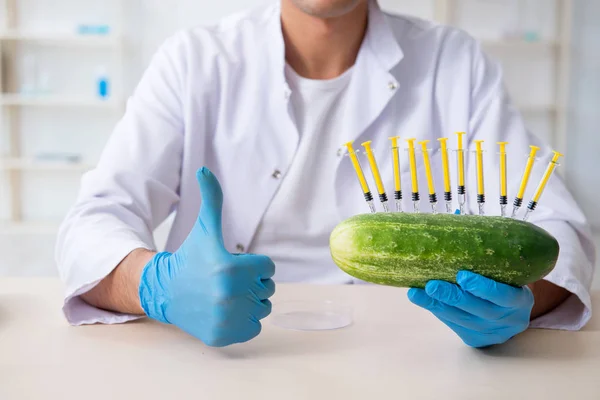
[(211, 210)]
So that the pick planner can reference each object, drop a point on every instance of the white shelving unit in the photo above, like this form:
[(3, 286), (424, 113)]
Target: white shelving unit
[(12, 103), (560, 46), (60, 39)]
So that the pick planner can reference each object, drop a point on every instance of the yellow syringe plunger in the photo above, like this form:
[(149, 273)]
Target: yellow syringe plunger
[(480, 180), (396, 161), (461, 159), (542, 185), (376, 176), (503, 178), (525, 180), (445, 164), (413, 172), (429, 174), (361, 176), (446, 168), (397, 178)]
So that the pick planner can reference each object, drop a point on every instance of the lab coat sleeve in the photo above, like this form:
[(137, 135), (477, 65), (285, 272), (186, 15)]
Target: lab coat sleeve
[(133, 188), (494, 119)]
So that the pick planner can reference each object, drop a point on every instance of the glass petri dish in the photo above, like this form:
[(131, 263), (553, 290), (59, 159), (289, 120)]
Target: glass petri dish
[(311, 316)]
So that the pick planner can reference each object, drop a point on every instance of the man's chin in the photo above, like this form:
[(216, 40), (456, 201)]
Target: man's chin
[(327, 8)]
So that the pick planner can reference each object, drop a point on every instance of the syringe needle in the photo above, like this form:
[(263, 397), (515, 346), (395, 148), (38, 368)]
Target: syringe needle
[(430, 183), (446, 167), (503, 178), (540, 189), (460, 158), (397, 178), (524, 181), (480, 181), (413, 172), (376, 176), (361, 177)]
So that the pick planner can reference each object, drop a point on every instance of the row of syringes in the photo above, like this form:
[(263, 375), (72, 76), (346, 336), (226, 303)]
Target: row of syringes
[(461, 187)]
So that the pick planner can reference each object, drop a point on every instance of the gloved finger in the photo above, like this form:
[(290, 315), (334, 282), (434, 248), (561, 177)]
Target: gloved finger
[(264, 288), (262, 310), (245, 332), (449, 313), (474, 339), (495, 292), (261, 266), (211, 210), (455, 296), (420, 298)]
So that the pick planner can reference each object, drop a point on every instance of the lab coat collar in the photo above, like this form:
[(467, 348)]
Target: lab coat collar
[(380, 38)]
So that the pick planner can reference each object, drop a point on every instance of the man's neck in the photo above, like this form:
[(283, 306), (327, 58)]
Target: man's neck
[(322, 48)]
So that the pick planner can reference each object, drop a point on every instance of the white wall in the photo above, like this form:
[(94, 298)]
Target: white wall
[(584, 133)]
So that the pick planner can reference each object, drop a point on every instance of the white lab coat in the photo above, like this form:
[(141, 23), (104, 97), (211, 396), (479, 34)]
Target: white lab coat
[(218, 97)]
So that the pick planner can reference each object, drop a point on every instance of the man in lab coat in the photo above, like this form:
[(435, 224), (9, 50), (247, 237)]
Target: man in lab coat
[(263, 101)]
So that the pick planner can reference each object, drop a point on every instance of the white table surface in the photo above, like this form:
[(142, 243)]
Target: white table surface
[(392, 351)]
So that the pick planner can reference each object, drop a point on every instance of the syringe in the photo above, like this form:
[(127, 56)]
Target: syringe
[(526, 174), (446, 167), (413, 172), (503, 179), (540, 189), (361, 176), (460, 157), (397, 179), (480, 181), (376, 176), (430, 183)]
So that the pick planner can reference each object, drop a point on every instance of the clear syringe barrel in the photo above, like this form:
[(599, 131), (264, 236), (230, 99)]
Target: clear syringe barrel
[(460, 167)]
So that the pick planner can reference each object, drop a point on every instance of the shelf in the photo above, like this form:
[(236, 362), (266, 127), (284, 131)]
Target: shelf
[(28, 228), (508, 44), (62, 39), (13, 164), (56, 101)]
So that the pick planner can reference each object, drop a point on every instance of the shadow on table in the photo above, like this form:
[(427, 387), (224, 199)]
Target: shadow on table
[(550, 345)]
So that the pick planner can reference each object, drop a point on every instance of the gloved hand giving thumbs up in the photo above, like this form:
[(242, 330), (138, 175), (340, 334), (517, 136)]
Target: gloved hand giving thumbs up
[(209, 293)]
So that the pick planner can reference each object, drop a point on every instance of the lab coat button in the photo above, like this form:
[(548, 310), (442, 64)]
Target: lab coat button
[(276, 174), (240, 248), (393, 85)]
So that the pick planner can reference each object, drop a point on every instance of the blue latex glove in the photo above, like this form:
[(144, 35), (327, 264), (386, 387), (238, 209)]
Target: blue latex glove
[(204, 290), (480, 311)]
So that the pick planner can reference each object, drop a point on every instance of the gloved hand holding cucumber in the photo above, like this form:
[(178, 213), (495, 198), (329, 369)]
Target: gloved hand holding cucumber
[(471, 272)]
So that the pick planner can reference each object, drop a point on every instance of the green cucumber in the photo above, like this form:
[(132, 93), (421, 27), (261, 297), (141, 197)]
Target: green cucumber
[(408, 250)]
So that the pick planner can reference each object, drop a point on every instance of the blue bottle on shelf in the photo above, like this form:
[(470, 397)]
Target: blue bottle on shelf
[(103, 84)]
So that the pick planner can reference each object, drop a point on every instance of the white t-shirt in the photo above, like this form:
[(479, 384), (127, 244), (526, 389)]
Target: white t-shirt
[(296, 227)]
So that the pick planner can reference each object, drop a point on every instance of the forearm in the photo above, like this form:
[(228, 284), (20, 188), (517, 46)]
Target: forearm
[(547, 296), (118, 292)]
